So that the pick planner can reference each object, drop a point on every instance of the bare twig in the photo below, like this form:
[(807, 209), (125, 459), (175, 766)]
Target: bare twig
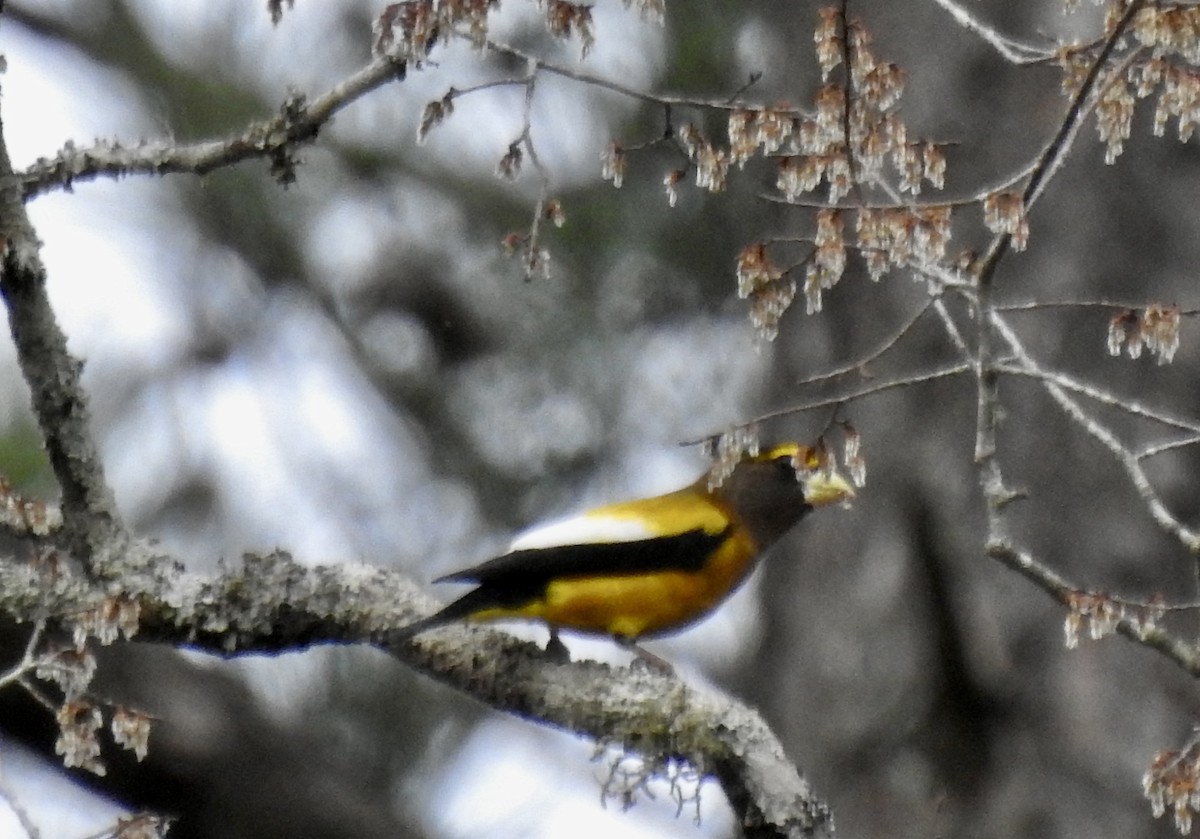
[(536, 257), (1010, 49), (1161, 448), (1182, 653), (1189, 538), (884, 346), (27, 662), (1105, 305), (299, 121), (714, 104), (898, 202), (952, 330), (1055, 152), (1104, 397), (862, 393)]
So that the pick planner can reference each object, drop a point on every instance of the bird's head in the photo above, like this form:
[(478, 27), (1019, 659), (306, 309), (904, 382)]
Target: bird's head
[(770, 491)]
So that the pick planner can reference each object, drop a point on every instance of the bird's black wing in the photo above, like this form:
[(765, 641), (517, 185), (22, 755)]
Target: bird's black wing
[(518, 577), (686, 551)]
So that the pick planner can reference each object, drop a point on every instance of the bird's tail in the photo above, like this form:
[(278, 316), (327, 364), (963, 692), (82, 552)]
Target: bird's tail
[(406, 633)]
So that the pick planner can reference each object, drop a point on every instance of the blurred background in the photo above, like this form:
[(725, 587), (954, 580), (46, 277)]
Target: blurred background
[(352, 370)]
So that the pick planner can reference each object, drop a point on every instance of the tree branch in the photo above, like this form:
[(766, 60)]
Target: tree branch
[(298, 121), (273, 604), (91, 522), (1129, 461)]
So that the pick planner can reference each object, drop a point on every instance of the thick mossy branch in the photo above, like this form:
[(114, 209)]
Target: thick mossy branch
[(92, 525), (272, 604)]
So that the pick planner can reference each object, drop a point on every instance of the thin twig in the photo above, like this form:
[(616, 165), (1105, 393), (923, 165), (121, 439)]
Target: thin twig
[(884, 346), (536, 257), (1107, 305), (1160, 448), (1102, 396), (1184, 654), (1009, 48), (1055, 152), (1081, 105), (1189, 538), (952, 330), (714, 104), (862, 393), (28, 661), (897, 202), (299, 121)]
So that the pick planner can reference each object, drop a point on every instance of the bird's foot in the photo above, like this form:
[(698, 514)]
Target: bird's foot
[(556, 650)]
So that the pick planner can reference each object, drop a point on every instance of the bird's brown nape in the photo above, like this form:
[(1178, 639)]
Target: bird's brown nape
[(766, 496)]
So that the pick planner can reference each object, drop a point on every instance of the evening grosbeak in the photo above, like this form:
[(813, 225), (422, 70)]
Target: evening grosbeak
[(638, 569)]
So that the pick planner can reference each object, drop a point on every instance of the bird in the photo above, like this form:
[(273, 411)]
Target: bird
[(640, 569)]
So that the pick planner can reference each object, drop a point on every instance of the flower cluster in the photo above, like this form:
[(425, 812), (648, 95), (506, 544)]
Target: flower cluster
[(1155, 329), (821, 458), (852, 457), (886, 238), (115, 616), (654, 11), (509, 166), (1169, 29), (764, 285), (1170, 35), (1004, 212), (78, 723), (1114, 118), (828, 261), (1173, 780), (864, 115), (413, 27), (1180, 98), (564, 18), (798, 174), (711, 162), (131, 730), (889, 238), (26, 516), (828, 39), (1101, 613), (613, 163), (71, 669), (435, 112), (1075, 66), (853, 135), (1097, 611), (727, 450), (769, 128), (142, 826)]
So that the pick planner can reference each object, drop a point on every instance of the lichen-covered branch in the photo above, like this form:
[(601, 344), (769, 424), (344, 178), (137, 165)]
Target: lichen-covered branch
[(273, 604), (298, 121), (91, 522)]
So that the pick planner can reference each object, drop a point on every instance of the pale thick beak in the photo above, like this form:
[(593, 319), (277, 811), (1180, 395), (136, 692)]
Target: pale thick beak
[(822, 488)]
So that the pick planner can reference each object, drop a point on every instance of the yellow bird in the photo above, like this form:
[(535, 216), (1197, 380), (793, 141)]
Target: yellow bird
[(643, 568)]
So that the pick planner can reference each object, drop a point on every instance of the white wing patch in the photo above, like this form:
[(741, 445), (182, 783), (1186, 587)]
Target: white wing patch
[(581, 530)]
